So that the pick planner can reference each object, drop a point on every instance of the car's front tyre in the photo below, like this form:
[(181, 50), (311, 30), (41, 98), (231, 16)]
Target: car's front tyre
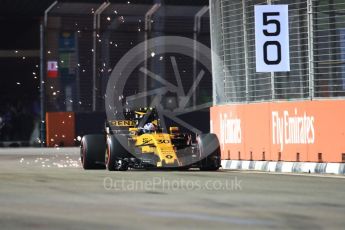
[(92, 150), (116, 154)]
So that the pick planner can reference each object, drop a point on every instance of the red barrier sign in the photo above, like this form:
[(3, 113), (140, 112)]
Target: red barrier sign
[(52, 69)]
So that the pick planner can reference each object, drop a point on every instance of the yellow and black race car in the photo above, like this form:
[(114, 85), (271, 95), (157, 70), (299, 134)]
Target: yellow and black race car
[(140, 142)]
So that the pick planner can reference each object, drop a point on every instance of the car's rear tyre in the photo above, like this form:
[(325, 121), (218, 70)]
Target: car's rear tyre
[(92, 150), (209, 149), (116, 154)]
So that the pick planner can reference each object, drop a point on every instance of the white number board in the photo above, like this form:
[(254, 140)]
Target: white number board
[(272, 38)]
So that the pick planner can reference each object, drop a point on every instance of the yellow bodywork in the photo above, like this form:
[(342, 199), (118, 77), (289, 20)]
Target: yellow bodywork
[(158, 144)]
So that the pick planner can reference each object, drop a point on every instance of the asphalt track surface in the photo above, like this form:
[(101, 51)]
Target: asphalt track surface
[(48, 189)]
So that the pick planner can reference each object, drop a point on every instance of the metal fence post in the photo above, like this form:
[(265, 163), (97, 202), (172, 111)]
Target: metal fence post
[(269, 2), (245, 41), (148, 28), (43, 65), (42, 87), (223, 48), (46, 12), (197, 28), (310, 48), (95, 82), (213, 51)]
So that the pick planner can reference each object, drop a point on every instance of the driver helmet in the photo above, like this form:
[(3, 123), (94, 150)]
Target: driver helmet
[(149, 127)]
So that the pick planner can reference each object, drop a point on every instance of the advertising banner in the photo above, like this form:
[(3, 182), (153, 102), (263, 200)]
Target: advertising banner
[(288, 131)]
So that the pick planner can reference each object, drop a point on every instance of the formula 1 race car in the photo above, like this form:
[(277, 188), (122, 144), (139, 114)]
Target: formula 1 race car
[(129, 143)]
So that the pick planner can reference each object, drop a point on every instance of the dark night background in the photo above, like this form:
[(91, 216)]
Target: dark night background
[(19, 88)]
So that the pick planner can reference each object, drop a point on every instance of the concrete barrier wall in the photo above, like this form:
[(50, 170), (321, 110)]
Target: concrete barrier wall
[(282, 131), (63, 128), (60, 128)]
